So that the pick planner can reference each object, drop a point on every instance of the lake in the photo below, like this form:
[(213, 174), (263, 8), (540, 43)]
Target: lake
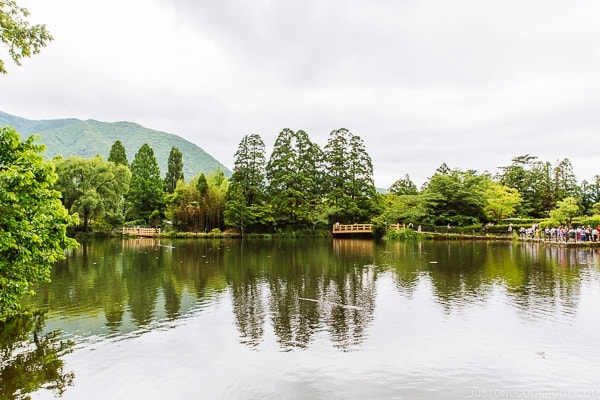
[(313, 319)]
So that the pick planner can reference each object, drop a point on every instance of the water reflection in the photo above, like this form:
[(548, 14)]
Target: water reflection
[(299, 289), (537, 279), (31, 360), (351, 318), (302, 288)]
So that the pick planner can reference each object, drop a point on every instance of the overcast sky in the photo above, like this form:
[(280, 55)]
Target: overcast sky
[(469, 83)]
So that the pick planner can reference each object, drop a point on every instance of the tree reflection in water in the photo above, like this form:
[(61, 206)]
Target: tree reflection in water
[(280, 280), (31, 360)]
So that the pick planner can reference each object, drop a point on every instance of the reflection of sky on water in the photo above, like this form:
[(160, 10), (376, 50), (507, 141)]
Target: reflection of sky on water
[(426, 319), (265, 292)]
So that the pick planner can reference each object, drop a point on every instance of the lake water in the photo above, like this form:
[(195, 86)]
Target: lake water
[(322, 319)]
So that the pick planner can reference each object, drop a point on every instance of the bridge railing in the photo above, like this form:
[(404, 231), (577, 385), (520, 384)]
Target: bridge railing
[(141, 231), (353, 228)]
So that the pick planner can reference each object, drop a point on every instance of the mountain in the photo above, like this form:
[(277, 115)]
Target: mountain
[(72, 136)]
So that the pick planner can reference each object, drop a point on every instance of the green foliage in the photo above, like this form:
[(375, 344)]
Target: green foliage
[(199, 205), (92, 188), (456, 197), (245, 199), (145, 198), (588, 194), (202, 185), (408, 208), (540, 185), (117, 154), (294, 173), (404, 234), (21, 39), (174, 169), (348, 180), (501, 201), (593, 221), (403, 186), (33, 221), (565, 211)]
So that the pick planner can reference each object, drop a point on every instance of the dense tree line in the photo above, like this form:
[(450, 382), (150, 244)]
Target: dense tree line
[(527, 188), (301, 186)]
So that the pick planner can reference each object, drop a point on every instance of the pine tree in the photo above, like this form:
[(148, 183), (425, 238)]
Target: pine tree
[(117, 154), (145, 198), (294, 175), (174, 169), (403, 186), (246, 193), (349, 177)]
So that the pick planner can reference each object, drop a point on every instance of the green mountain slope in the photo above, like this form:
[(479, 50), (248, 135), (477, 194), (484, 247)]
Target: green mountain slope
[(89, 138)]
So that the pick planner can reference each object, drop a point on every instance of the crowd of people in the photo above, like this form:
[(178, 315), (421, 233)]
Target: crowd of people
[(561, 233)]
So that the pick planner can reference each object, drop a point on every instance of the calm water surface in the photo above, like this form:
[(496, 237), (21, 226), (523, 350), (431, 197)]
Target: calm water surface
[(321, 319)]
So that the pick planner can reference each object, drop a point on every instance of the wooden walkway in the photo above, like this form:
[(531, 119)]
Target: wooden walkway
[(360, 228), (143, 232), (353, 228)]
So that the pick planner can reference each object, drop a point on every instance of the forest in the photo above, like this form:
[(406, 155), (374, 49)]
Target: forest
[(302, 187)]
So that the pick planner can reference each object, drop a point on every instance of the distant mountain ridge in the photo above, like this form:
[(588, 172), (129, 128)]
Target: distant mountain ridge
[(89, 138)]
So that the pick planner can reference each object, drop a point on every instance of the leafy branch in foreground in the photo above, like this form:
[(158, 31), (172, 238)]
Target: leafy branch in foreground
[(21, 39), (33, 221)]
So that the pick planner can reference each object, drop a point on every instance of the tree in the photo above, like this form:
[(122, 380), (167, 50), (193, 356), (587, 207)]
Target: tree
[(565, 183), (589, 194), (565, 211), (348, 180), (145, 198), (117, 154), (91, 187), (407, 208), (33, 221), (294, 174), (501, 201), (539, 184), (457, 197), (174, 169), (21, 39), (246, 194), (199, 204), (403, 186)]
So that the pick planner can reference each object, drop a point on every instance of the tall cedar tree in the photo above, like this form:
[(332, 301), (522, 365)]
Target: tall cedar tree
[(349, 177), (117, 154), (540, 185), (294, 173), (145, 198), (246, 193), (174, 169)]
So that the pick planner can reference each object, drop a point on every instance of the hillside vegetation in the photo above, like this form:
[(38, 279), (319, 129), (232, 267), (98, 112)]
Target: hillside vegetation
[(89, 138)]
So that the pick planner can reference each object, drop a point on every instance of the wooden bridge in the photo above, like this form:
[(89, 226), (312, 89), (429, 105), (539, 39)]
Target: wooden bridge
[(361, 228), (353, 228), (145, 232)]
